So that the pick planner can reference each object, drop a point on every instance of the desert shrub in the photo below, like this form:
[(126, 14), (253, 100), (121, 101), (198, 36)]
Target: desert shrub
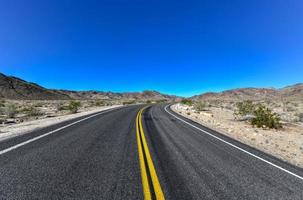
[(99, 103), (61, 107), (187, 102), (300, 115), (264, 117), (33, 111), (39, 104), (128, 102), (10, 110), (161, 101), (148, 102), (2, 103), (200, 106), (245, 108), (73, 106)]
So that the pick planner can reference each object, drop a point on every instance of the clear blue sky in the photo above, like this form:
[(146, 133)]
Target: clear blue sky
[(176, 47)]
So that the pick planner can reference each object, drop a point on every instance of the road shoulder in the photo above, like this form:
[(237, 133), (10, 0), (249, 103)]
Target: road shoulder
[(15, 130)]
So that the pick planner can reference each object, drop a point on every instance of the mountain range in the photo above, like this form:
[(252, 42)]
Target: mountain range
[(289, 93), (15, 88)]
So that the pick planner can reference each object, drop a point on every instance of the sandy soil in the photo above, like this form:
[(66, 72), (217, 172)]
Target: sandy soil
[(286, 144), (8, 131)]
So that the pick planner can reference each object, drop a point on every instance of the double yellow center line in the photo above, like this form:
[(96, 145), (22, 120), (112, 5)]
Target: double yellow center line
[(145, 159)]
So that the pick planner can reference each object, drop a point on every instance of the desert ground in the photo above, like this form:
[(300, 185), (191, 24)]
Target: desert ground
[(22, 116), (285, 143)]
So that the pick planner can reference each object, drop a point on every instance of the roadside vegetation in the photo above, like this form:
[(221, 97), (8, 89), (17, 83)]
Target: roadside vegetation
[(187, 102), (74, 106), (34, 112), (128, 102), (258, 115), (10, 110), (200, 106)]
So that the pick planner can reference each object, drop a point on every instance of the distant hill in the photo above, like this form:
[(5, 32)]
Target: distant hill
[(145, 95), (16, 88), (294, 92)]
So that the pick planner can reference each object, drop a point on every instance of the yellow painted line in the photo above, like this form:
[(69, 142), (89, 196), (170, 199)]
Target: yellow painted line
[(145, 184), (155, 181)]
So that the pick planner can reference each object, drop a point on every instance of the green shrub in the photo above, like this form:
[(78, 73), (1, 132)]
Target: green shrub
[(187, 102), (33, 111), (10, 110), (200, 106), (161, 101), (245, 108), (128, 102), (264, 117), (99, 103), (73, 106)]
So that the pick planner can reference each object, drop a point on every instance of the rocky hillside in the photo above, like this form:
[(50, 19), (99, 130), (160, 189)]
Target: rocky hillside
[(16, 88), (145, 95), (291, 93)]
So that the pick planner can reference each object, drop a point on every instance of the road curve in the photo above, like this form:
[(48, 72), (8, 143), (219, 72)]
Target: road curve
[(98, 158)]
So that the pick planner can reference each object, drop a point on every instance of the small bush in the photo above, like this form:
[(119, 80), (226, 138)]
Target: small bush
[(33, 111), (300, 115), (245, 108), (61, 107), (128, 102), (99, 103), (74, 106), (2, 103), (38, 105), (10, 111), (187, 102), (264, 117), (200, 106), (161, 101)]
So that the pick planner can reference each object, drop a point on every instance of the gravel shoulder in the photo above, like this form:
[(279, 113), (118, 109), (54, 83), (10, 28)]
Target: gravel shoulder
[(286, 143), (8, 131)]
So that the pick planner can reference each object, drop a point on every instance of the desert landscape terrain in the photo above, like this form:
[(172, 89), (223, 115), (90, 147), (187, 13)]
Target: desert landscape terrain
[(219, 111), (25, 106)]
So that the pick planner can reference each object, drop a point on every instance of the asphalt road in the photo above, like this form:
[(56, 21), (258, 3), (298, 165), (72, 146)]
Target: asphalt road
[(108, 156)]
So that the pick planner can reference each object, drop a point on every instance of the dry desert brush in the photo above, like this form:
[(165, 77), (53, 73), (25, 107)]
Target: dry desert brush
[(10, 110), (265, 118), (74, 106), (187, 102), (262, 117)]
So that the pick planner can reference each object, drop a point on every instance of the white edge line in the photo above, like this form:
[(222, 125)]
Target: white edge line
[(255, 156), (51, 132)]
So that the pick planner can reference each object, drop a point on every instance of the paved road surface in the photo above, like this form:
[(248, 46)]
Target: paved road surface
[(120, 154)]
